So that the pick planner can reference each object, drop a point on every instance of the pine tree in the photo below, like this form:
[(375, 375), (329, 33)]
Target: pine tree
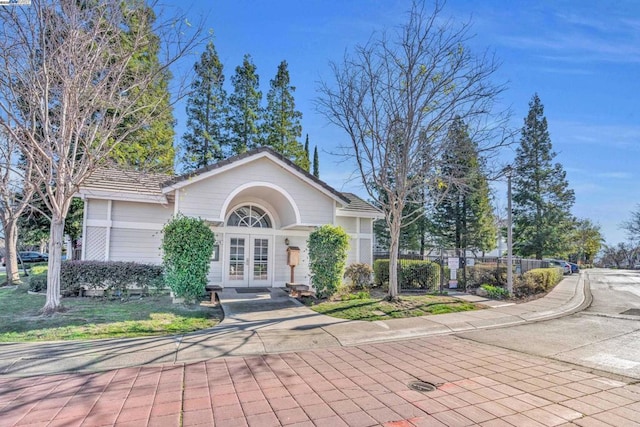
[(316, 163), (151, 147), (541, 196), (306, 153), (205, 139), (462, 217), (245, 113), (281, 127)]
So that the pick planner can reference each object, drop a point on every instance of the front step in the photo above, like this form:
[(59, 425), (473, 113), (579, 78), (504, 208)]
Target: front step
[(300, 290)]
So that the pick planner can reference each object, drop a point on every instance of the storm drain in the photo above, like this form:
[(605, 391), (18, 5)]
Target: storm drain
[(422, 386), (632, 312)]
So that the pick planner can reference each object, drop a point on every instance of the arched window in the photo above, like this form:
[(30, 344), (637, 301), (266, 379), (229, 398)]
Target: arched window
[(249, 216)]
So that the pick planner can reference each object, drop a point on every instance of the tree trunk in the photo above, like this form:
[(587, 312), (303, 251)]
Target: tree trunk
[(53, 303), (10, 253), (394, 244)]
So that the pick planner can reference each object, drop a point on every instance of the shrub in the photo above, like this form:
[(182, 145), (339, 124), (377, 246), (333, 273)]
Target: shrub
[(187, 245), (38, 282), (484, 274), (328, 247), (412, 274), (538, 280), (495, 292), (38, 269), (114, 277), (360, 274)]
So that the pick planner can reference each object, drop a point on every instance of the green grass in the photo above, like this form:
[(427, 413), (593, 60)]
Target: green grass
[(380, 309), (92, 318)]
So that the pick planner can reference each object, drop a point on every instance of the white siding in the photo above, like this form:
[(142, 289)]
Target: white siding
[(141, 212), (142, 246), (365, 251), (352, 256), (349, 224), (366, 225), (97, 209), (205, 198)]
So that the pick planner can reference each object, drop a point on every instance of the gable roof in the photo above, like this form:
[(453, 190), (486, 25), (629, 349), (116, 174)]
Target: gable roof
[(112, 181), (234, 161)]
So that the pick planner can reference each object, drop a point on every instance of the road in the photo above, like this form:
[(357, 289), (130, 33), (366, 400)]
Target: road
[(605, 337)]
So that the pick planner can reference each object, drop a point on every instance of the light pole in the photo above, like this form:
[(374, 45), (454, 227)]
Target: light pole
[(508, 171)]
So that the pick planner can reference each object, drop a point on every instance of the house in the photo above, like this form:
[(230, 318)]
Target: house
[(257, 204)]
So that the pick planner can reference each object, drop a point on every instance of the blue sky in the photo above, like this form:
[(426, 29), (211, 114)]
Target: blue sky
[(581, 57)]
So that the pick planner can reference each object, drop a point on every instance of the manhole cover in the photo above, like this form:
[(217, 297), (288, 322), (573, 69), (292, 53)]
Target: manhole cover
[(252, 290), (632, 312), (422, 386)]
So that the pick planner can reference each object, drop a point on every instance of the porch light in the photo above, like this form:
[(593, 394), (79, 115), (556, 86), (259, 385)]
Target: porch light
[(286, 241)]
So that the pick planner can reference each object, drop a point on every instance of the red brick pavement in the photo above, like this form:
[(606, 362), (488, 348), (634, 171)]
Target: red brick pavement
[(353, 386)]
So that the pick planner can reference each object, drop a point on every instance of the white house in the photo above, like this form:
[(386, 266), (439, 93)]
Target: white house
[(257, 204)]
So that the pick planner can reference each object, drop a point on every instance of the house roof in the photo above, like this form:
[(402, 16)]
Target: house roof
[(359, 205), (131, 181), (106, 182)]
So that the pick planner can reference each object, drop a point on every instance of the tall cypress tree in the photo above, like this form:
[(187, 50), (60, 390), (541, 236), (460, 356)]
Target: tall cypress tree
[(541, 196), (205, 139), (462, 217), (281, 127), (306, 153), (245, 113), (151, 147), (316, 163)]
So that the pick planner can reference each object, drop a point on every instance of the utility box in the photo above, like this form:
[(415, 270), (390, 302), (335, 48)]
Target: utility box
[(293, 256)]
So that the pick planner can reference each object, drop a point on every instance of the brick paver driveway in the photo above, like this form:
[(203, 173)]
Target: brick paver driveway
[(357, 386)]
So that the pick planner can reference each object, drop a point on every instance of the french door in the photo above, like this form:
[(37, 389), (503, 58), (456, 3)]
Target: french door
[(248, 260)]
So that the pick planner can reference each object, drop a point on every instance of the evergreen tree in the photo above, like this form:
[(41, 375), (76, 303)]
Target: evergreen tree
[(205, 139), (306, 153), (245, 112), (281, 127), (462, 216), (151, 146), (316, 163), (541, 196)]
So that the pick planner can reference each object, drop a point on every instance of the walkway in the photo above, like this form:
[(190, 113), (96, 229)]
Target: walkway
[(274, 323)]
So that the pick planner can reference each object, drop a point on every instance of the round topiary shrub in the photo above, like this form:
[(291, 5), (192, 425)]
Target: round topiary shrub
[(187, 245), (328, 247)]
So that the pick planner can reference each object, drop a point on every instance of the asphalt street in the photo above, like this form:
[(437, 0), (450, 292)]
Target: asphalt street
[(604, 337)]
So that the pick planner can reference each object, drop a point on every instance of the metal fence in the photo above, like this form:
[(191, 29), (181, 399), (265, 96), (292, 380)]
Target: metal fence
[(415, 276)]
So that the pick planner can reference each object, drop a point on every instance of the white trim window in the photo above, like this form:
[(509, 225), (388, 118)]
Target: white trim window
[(249, 216)]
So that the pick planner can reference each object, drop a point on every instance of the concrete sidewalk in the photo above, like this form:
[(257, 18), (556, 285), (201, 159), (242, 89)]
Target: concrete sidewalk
[(274, 323)]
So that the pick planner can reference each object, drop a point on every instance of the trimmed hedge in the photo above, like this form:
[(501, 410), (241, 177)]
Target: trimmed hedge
[(412, 274), (539, 280), (115, 277)]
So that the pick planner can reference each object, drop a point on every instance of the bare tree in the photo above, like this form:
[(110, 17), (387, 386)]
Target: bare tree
[(397, 96), (68, 94), (17, 186)]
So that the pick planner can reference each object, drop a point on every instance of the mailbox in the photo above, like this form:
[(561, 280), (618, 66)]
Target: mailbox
[(293, 256)]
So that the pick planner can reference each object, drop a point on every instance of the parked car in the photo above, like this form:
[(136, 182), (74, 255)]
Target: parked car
[(566, 267), (575, 268), (28, 256)]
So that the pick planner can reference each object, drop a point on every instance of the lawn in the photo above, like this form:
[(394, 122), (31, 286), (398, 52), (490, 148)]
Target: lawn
[(377, 308), (92, 318)]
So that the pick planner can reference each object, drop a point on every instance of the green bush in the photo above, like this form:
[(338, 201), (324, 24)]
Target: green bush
[(187, 245), (538, 280), (484, 274), (412, 274), (114, 277), (38, 269), (38, 282), (328, 247), (360, 274), (495, 292)]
